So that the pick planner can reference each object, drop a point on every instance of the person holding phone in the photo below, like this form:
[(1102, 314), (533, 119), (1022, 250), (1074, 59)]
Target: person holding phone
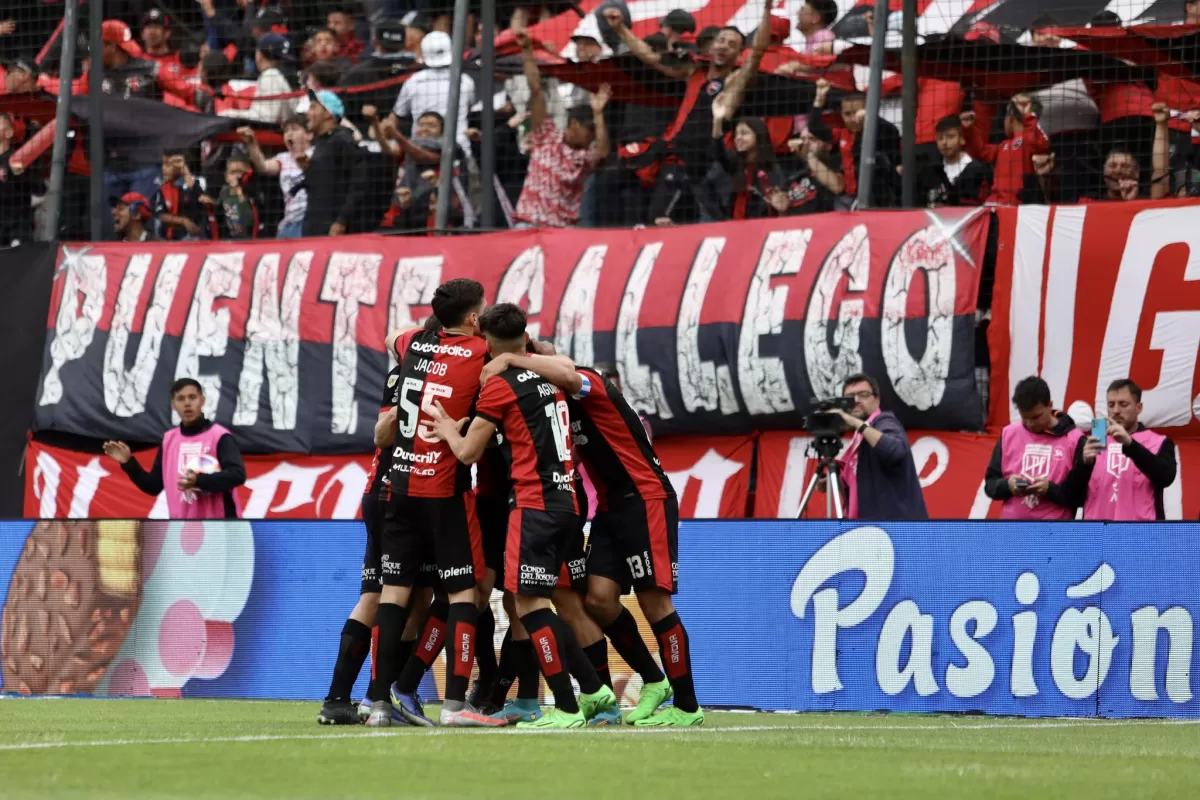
[(754, 180), (1122, 469), (1033, 459)]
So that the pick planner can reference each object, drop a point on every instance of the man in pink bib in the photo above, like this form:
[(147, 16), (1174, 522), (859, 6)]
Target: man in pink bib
[(199, 465), (1033, 458), (1124, 478)]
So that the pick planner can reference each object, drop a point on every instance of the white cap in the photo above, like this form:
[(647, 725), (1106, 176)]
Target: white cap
[(436, 49)]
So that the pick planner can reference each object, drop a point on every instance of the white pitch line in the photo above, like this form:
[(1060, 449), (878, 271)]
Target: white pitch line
[(600, 732)]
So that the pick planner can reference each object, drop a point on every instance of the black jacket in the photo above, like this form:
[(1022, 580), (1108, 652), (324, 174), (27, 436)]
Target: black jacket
[(336, 183), (757, 184), (374, 69), (888, 485), (16, 208), (970, 188), (231, 476)]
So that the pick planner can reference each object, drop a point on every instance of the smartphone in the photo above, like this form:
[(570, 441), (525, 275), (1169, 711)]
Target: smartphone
[(1100, 431), (1021, 483)]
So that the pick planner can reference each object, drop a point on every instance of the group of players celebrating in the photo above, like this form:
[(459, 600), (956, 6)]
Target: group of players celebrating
[(471, 388)]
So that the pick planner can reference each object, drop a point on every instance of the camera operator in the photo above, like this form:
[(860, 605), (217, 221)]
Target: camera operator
[(877, 465)]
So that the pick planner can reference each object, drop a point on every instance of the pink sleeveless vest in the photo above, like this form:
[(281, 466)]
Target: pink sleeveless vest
[(1036, 456), (199, 453), (1118, 490)]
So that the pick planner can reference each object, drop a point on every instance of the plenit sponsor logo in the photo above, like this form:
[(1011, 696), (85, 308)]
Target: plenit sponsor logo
[(432, 457), (528, 375), (442, 349), (464, 649), (455, 572)]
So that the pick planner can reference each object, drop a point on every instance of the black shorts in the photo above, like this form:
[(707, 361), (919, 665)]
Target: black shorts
[(441, 531), (636, 544), (372, 514), (493, 526), (573, 573), (537, 546)]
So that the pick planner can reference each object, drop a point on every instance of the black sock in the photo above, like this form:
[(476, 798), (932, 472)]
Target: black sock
[(390, 619), (506, 671), (580, 665), (353, 648), (597, 653), (551, 638), (460, 649), (424, 649), (529, 677), (676, 655), (627, 639), (485, 646), (407, 646)]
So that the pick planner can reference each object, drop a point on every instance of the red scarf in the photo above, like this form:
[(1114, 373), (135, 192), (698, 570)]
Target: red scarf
[(845, 144), (696, 82)]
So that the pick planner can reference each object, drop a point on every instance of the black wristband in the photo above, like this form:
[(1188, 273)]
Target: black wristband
[(862, 428)]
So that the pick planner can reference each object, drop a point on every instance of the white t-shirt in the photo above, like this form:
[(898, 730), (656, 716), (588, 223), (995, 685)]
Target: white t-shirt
[(291, 176), (954, 170)]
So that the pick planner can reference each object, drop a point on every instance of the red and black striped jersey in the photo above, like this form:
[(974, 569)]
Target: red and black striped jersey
[(531, 413), (434, 366), (381, 463), (613, 445)]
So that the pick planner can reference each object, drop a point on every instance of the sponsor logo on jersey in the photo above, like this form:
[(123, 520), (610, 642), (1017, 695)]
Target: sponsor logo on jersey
[(528, 375), (442, 349), (455, 572)]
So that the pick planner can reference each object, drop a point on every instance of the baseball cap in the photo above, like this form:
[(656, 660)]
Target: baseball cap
[(679, 21), (331, 102), (138, 204), (268, 18), (25, 65), (436, 49), (391, 35), (274, 46), (116, 32), (585, 37), (155, 16), (781, 28)]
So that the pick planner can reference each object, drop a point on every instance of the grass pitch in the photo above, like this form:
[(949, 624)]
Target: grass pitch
[(199, 748)]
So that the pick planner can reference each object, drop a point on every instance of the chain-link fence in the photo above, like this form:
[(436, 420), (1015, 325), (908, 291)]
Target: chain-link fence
[(232, 119)]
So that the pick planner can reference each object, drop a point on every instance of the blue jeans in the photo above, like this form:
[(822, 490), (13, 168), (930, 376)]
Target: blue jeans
[(293, 230), (142, 180), (587, 208)]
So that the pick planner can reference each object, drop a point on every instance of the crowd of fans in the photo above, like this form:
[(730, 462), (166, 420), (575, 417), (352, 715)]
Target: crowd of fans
[(343, 106)]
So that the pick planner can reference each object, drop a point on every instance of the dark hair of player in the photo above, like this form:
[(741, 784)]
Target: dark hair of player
[(455, 299), (183, 383), (504, 322), (1030, 393)]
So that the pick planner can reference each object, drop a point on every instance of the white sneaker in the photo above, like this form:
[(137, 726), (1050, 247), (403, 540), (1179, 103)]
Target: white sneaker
[(468, 717), (364, 710), (381, 715)]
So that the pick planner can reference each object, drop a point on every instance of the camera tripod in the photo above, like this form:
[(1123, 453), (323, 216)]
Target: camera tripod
[(826, 449)]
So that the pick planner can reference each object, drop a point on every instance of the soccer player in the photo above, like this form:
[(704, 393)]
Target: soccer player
[(431, 516), (634, 540), (355, 640), (532, 416)]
